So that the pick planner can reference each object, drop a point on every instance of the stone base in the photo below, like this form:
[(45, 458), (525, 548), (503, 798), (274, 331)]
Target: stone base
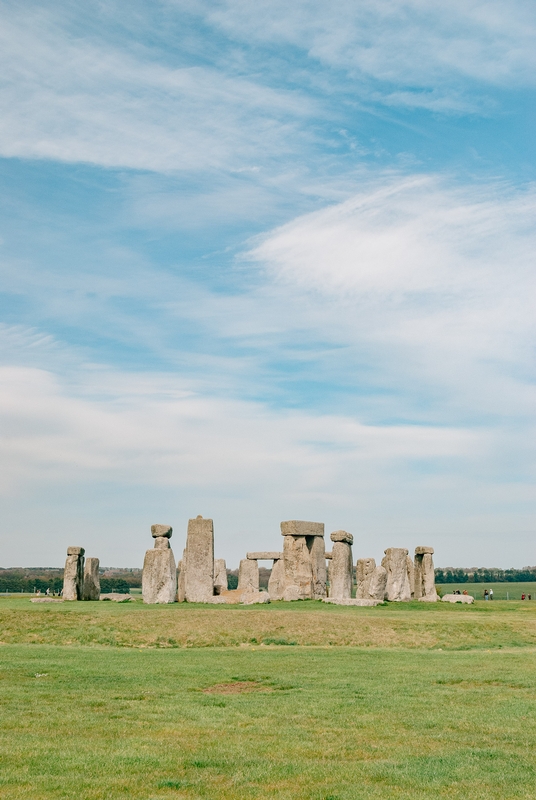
[(431, 598), (458, 598), (352, 601)]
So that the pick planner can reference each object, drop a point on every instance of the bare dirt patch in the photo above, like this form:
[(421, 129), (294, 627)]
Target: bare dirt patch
[(238, 687)]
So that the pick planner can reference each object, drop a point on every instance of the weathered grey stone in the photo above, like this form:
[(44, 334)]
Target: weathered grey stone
[(159, 577), (276, 583), (248, 575), (117, 597), (457, 598), (75, 551), (73, 575), (161, 543), (341, 567), (220, 576), (378, 584), (296, 527), (298, 568), (91, 590), (265, 555), (356, 601), (46, 600), (363, 572), (199, 562), (252, 598), (181, 589), (396, 564), (342, 536), (411, 575), (328, 555), (161, 530), (424, 581), (318, 563)]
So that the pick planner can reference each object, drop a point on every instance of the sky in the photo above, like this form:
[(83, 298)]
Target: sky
[(268, 261)]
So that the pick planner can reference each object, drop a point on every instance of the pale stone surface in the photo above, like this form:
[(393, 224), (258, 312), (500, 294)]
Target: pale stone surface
[(457, 598), (181, 590), (318, 564), (396, 564), (252, 598), (364, 570), (161, 530), (248, 575), (378, 584), (161, 543), (342, 536), (117, 597), (349, 601), (265, 555), (298, 568), (328, 555), (340, 569), (73, 575), (46, 600), (159, 577), (276, 583), (296, 527), (199, 562), (425, 575), (220, 575), (75, 551), (411, 575), (91, 590)]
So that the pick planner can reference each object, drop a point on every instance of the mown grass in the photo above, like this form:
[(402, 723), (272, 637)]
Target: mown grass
[(400, 625), (500, 590), (326, 724)]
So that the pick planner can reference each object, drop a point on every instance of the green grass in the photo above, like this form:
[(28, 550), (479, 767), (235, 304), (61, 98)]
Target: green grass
[(500, 590), (307, 701), (339, 723)]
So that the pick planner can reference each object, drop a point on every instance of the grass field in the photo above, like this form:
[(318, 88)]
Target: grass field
[(500, 590), (102, 701)]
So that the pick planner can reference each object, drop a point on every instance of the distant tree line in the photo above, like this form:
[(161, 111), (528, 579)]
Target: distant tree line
[(17, 580), (482, 575)]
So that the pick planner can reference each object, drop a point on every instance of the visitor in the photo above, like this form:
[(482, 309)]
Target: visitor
[(486, 595), (522, 596), (465, 591), (530, 597), (491, 594)]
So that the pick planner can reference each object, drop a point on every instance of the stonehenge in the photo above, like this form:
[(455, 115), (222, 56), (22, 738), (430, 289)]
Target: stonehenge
[(198, 561), (341, 567), (304, 560), (91, 583), (424, 580), (220, 576), (396, 565), (73, 575), (159, 577), (363, 572), (248, 575)]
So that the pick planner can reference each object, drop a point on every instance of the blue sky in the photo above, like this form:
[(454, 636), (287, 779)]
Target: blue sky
[(264, 261)]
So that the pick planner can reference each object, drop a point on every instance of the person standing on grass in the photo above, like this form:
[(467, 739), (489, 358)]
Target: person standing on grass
[(491, 594), (486, 595), (522, 596)]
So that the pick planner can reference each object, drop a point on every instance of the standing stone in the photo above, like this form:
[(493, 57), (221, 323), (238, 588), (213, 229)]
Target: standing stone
[(159, 576), (199, 566), (411, 575), (73, 575), (318, 563), (276, 583), (248, 575), (378, 584), (396, 565), (91, 590), (425, 575), (220, 576), (302, 580), (363, 572), (181, 579), (341, 567)]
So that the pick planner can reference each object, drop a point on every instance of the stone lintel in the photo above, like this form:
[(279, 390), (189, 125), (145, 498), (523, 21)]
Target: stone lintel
[(264, 555), (342, 536), (161, 530), (328, 555), (75, 551), (420, 551), (296, 527)]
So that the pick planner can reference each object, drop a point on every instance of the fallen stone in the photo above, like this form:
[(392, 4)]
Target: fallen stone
[(457, 598), (252, 598), (349, 601), (265, 555), (91, 588), (46, 600), (117, 597), (161, 530)]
